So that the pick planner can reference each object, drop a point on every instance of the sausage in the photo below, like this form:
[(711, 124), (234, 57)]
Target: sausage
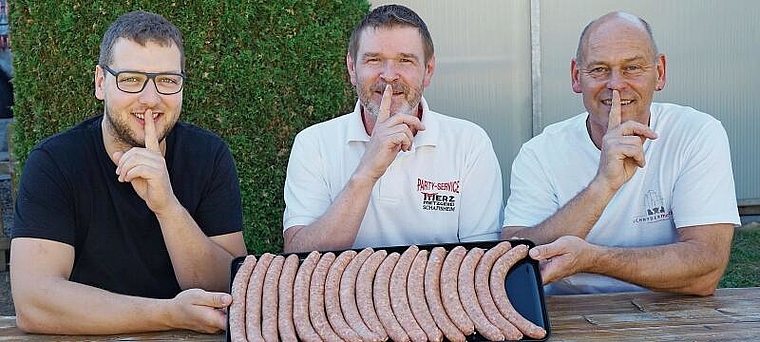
[(364, 293), (433, 295), (499, 293), (482, 273), (285, 309), (317, 299), (415, 290), (269, 300), (399, 299), (301, 286), (382, 299), (332, 298), (348, 297), (237, 308), (466, 286), (253, 298), (449, 292)]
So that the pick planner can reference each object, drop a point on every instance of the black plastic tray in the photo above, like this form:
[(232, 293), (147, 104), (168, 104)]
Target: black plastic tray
[(523, 283)]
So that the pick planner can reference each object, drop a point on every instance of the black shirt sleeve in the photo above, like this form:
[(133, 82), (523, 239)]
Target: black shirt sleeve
[(44, 204)]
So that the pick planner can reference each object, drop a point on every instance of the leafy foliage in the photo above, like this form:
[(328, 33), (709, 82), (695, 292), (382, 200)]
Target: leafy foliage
[(259, 71)]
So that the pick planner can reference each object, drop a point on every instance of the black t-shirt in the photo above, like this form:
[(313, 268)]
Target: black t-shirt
[(69, 192)]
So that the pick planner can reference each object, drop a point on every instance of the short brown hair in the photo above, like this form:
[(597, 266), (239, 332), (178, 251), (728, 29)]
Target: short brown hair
[(140, 27), (390, 16)]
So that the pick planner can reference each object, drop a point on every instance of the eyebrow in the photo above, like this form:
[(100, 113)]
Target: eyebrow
[(398, 55), (627, 60)]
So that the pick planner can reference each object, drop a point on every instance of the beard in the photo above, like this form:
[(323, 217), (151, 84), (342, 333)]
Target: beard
[(412, 97), (126, 136)]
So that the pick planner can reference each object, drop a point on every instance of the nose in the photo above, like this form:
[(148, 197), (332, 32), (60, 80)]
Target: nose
[(616, 80), (149, 95), (388, 74)]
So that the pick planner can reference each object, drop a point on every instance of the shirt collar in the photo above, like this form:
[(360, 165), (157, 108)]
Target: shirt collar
[(428, 137)]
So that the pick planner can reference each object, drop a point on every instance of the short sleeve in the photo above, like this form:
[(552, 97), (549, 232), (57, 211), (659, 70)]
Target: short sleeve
[(531, 198), (44, 204), (220, 209), (704, 192), (306, 192)]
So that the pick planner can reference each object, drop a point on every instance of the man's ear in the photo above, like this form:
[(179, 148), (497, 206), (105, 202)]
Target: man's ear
[(100, 79), (429, 70), (351, 66), (661, 72), (575, 76)]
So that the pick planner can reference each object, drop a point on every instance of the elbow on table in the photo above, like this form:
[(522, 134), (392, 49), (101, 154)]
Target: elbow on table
[(703, 286), (704, 289), (30, 322)]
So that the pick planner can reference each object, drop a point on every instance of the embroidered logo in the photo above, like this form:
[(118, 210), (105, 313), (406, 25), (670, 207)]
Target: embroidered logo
[(438, 196), (654, 208)]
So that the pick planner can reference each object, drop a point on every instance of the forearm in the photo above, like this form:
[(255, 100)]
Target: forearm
[(576, 217), (337, 228), (197, 260), (690, 267), (53, 305)]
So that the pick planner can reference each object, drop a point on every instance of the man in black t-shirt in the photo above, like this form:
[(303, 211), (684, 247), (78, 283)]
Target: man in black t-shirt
[(124, 222)]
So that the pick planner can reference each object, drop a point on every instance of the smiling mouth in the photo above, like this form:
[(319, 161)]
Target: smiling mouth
[(141, 116), (622, 102)]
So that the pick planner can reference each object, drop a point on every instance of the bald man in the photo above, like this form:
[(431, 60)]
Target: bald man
[(631, 195)]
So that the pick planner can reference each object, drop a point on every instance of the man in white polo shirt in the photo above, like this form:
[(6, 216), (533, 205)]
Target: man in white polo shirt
[(392, 172), (631, 195)]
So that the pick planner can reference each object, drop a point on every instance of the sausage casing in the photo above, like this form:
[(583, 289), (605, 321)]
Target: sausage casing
[(285, 289), (483, 290), (253, 298), (365, 292), (499, 293), (237, 308), (301, 298), (433, 295), (332, 298), (348, 297), (466, 286), (416, 293), (450, 292), (381, 295)]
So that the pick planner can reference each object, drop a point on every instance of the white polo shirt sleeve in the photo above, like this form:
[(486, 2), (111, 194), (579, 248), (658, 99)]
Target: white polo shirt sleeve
[(532, 198), (704, 192), (306, 191)]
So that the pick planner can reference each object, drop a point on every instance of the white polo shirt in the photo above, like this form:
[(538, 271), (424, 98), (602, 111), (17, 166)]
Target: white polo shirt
[(447, 188), (687, 181)]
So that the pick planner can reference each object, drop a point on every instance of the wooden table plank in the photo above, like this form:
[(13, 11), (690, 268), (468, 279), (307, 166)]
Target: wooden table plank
[(732, 314), (729, 315)]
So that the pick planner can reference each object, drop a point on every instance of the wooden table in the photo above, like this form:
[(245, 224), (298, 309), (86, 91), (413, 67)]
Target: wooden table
[(729, 315)]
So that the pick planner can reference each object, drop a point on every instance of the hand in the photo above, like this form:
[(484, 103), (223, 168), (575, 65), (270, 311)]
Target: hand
[(198, 310), (390, 135), (622, 147), (562, 258), (145, 169)]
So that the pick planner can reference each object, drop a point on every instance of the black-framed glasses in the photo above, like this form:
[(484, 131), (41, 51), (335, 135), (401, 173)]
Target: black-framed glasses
[(130, 81)]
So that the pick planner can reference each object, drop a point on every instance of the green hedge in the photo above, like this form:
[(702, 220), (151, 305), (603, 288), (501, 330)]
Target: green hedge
[(258, 73)]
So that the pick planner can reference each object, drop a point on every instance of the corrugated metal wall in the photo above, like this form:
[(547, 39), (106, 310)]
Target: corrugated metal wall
[(484, 66)]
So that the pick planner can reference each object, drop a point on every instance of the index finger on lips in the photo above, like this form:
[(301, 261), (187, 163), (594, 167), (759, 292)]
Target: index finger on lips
[(385, 104), (615, 116), (151, 140)]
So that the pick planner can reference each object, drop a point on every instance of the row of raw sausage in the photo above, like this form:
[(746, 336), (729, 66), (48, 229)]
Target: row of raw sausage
[(418, 295)]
